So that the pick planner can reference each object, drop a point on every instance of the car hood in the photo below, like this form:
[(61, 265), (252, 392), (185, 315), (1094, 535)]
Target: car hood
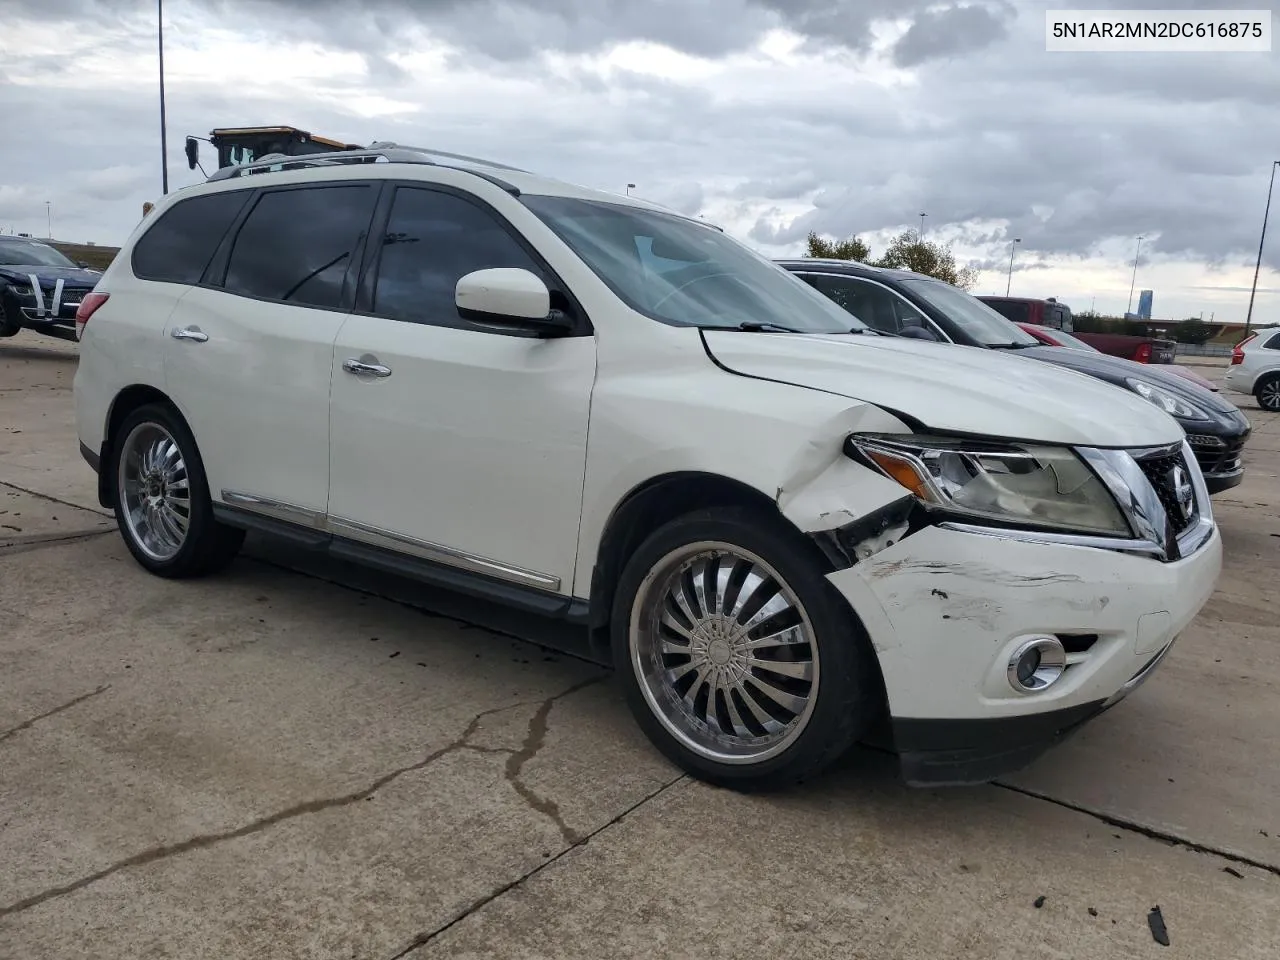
[(1116, 370), (22, 273), (950, 388)]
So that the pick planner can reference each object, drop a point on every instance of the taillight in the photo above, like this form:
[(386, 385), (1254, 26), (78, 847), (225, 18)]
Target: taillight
[(1143, 354), (1237, 354), (88, 307)]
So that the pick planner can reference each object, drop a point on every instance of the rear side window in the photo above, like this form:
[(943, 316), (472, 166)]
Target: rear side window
[(433, 239), (180, 244), (1273, 343), (296, 245)]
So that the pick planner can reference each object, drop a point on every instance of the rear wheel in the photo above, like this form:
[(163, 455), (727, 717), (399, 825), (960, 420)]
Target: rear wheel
[(162, 500), (740, 662), (1267, 392)]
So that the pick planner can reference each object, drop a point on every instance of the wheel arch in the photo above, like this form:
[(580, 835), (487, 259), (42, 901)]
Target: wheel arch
[(125, 402)]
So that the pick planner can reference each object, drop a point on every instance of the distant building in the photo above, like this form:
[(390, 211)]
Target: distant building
[(1144, 305)]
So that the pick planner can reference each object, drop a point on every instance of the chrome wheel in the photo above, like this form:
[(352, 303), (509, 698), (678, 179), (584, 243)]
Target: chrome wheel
[(154, 491), (1269, 395), (724, 653)]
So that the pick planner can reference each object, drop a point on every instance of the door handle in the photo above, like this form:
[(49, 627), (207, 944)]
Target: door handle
[(358, 367), (189, 333)]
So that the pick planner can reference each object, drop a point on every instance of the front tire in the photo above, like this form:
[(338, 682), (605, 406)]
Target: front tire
[(740, 661), (1267, 393), (162, 502)]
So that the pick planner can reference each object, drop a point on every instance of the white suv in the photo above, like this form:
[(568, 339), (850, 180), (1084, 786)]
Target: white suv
[(779, 529), (1255, 368)]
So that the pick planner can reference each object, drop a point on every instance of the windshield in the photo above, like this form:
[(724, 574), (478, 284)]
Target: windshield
[(970, 314), (24, 253), (680, 272), (1067, 340)]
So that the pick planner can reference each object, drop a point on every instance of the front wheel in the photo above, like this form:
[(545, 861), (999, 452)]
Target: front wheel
[(162, 502), (740, 661), (1267, 393)]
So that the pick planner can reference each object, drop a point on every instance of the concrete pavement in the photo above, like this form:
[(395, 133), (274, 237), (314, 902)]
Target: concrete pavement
[(273, 763)]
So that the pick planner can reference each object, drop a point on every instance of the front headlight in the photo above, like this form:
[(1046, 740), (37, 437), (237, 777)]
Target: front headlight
[(22, 289), (1170, 403), (1029, 484)]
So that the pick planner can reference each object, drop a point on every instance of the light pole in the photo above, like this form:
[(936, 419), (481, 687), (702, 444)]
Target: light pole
[(164, 147), (1248, 317), (1129, 309), (630, 187), (1013, 246), (920, 235), (48, 212)]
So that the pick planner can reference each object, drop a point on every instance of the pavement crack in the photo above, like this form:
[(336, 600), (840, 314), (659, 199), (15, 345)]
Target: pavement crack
[(27, 724), (44, 496), (204, 841), (423, 939), (533, 742), (11, 546), (1153, 833)]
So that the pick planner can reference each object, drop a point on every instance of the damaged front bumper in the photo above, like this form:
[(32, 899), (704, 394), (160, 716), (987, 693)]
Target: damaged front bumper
[(945, 610)]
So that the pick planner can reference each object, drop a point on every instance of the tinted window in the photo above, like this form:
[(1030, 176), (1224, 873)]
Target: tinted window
[(182, 241), (1274, 343), (433, 239), (876, 306), (296, 245)]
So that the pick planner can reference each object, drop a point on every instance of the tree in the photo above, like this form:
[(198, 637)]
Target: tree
[(851, 248), (909, 252)]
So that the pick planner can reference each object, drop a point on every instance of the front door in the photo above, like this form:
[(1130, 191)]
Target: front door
[(455, 442), (248, 356)]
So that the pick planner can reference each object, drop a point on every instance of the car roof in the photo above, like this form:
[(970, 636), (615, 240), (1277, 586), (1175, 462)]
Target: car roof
[(851, 268), (411, 160)]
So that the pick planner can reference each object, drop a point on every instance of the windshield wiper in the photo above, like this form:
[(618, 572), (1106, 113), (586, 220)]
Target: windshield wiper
[(752, 326), (871, 331), (1009, 346)]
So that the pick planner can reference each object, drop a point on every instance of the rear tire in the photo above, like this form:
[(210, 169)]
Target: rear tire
[(1267, 393), (161, 497), (741, 663)]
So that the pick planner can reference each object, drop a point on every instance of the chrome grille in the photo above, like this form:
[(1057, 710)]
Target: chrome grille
[(1162, 472)]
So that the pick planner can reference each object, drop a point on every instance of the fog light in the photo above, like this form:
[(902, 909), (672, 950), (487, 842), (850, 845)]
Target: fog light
[(1037, 664)]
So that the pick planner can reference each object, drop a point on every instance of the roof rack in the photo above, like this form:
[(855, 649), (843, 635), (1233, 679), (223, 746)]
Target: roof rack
[(380, 152)]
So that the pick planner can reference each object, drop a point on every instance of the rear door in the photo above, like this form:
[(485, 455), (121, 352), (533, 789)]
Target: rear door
[(249, 350)]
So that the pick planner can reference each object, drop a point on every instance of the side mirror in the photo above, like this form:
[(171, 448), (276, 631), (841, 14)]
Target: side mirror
[(918, 333), (82, 264), (509, 296), (193, 152)]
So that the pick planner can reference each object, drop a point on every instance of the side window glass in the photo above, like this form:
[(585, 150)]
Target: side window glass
[(433, 239), (874, 305), (296, 245), (178, 246), (1274, 343)]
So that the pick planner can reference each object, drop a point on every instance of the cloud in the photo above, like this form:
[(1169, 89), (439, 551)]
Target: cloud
[(772, 117)]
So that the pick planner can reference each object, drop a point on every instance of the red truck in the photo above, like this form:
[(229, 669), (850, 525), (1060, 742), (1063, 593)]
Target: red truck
[(1051, 313)]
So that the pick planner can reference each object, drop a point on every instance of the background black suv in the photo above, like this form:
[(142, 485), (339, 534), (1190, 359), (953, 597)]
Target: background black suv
[(910, 304)]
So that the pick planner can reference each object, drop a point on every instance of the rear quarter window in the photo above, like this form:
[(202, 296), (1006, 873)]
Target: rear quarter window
[(180, 244), (1273, 343)]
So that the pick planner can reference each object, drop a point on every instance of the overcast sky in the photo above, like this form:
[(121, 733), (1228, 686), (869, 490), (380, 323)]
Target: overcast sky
[(769, 117)]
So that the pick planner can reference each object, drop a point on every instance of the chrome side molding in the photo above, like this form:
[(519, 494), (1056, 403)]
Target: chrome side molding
[(390, 540), (288, 512), (439, 553)]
